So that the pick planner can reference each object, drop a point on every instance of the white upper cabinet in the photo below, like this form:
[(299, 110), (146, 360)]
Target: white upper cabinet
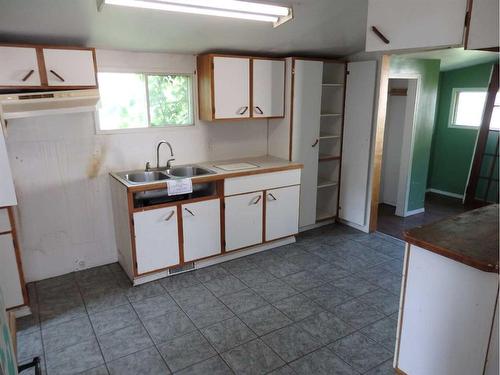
[(231, 87), (69, 67), (268, 88), (7, 192), (483, 25), (19, 67), (243, 220), (411, 24), (201, 229), (282, 212)]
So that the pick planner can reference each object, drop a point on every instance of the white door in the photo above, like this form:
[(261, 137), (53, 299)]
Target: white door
[(358, 119), (19, 67), (282, 212), (201, 229), (268, 88), (156, 239), (10, 283), (483, 28), (231, 87), (415, 24), (69, 67), (305, 133), (7, 192), (243, 220)]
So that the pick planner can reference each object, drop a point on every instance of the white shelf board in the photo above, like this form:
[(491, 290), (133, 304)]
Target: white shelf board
[(328, 136), (330, 114), (323, 183)]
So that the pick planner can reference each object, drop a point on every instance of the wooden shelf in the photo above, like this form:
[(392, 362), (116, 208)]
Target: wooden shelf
[(325, 157), (330, 114), (328, 136), (323, 183)]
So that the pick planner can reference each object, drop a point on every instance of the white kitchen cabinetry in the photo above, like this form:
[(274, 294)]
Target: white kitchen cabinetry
[(483, 25), (19, 67), (268, 88), (68, 67), (7, 192), (201, 229), (282, 212), (231, 87), (156, 239), (243, 220), (411, 24)]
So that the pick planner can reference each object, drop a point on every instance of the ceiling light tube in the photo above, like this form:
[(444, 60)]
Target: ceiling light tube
[(239, 6)]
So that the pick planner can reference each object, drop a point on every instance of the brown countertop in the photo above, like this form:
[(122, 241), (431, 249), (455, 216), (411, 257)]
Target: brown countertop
[(470, 238)]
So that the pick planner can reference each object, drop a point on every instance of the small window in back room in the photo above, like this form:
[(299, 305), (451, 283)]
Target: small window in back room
[(141, 100), (467, 109)]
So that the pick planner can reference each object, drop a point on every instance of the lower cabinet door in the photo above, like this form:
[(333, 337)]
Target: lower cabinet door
[(201, 229), (156, 239), (10, 281), (243, 214), (282, 212)]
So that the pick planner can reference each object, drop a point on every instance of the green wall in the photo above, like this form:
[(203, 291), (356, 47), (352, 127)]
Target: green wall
[(452, 148), (428, 71)]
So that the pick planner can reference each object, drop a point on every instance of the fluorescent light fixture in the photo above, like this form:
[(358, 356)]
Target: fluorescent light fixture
[(221, 8)]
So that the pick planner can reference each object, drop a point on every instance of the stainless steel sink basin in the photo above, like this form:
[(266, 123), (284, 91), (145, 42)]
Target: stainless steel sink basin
[(150, 176), (188, 171)]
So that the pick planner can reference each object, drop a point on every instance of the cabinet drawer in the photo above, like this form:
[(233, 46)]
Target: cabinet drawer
[(4, 221), (247, 184)]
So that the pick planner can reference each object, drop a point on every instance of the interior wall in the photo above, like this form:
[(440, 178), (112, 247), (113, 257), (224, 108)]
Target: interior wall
[(60, 168), (453, 148)]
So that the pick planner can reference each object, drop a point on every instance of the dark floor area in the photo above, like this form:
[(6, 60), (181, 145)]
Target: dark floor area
[(324, 305), (437, 207)]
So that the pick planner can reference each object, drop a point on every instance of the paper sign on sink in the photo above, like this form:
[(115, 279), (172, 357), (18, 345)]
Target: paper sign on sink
[(179, 186)]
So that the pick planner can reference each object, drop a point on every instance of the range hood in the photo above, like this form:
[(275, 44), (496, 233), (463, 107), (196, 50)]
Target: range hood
[(24, 105)]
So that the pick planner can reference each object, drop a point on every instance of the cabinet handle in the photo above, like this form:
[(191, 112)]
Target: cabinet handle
[(257, 200), (315, 143), (261, 112), (57, 75), (380, 35), (169, 216), (188, 210), (272, 196), (245, 108), (25, 78)]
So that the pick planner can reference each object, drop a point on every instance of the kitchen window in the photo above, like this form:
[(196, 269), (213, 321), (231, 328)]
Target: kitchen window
[(467, 109), (143, 100)]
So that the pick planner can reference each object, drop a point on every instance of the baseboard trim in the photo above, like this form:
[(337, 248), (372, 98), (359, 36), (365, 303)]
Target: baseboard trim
[(317, 225), (415, 212), (445, 193), (362, 228)]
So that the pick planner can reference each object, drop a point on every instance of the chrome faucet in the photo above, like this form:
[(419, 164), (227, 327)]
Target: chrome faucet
[(158, 154)]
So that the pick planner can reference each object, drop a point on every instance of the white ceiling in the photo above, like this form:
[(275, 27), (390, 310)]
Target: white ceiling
[(320, 27), (455, 58)]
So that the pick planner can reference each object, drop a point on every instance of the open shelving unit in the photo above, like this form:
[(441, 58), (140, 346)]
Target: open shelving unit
[(330, 139)]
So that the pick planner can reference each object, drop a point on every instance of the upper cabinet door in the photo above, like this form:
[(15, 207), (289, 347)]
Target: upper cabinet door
[(415, 24), (7, 192), (70, 67), (19, 67), (483, 25), (231, 87), (268, 88)]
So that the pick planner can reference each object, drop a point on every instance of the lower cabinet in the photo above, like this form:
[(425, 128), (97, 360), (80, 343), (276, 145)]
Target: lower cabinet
[(156, 239), (201, 229), (10, 280), (282, 212), (243, 220)]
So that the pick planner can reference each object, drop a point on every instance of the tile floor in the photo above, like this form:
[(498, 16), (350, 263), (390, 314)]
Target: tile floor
[(324, 305)]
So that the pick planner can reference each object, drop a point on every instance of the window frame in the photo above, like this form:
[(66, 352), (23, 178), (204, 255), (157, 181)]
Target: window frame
[(191, 98), (453, 107)]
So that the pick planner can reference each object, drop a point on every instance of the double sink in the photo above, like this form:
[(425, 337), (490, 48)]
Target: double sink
[(174, 172)]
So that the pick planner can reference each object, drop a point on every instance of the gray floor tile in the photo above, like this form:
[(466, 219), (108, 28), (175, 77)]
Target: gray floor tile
[(330, 272), (354, 286), (186, 350), (383, 332), (357, 314), (212, 366), (227, 334), (148, 290), (145, 362), (291, 250), (274, 290), (325, 327), (113, 319), (285, 370), (210, 273), (291, 342), (101, 300), (298, 307), (306, 261), (327, 296), (385, 368), (304, 280), (252, 358), (183, 280), (208, 312), (60, 312), (29, 346), (101, 370), (225, 285), (29, 323), (265, 319), (254, 276), (322, 362), (192, 296), (384, 301), (168, 326), (74, 359), (155, 306), (236, 266), (281, 267), (242, 301), (394, 265), (67, 334), (352, 263), (124, 341), (264, 257), (31, 371), (360, 352), (64, 281)]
